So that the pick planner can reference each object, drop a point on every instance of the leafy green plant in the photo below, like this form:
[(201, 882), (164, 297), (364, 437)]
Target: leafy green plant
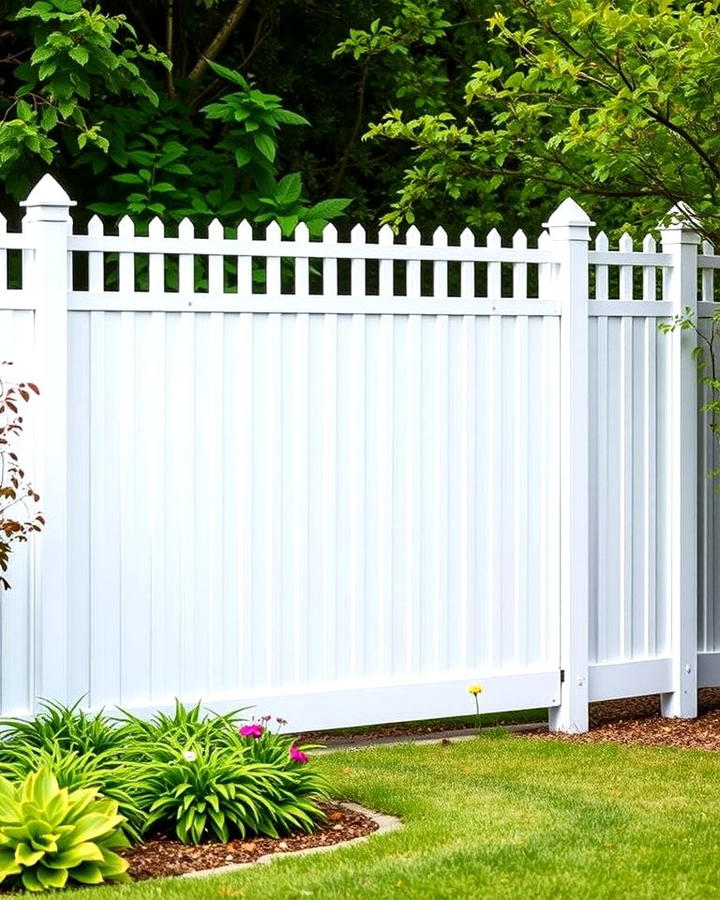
[(185, 727), (76, 52), (202, 792), (50, 836), (115, 779), (66, 727)]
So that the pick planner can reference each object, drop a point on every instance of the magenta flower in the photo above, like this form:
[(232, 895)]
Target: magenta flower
[(253, 731), (297, 755)]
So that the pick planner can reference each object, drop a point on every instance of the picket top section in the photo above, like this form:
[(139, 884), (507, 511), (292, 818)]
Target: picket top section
[(215, 268)]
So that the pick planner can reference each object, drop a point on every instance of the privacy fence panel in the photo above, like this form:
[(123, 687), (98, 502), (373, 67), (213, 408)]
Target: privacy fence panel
[(341, 478)]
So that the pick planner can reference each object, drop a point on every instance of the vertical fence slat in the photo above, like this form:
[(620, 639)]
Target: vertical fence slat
[(649, 273), (440, 267), (302, 263), (626, 272), (708, 275), (357, 264), (519, 269), (413, 288), (186, 265), (494, 285), (601, 271), (386, 288), (126, 259), (216, 262), (244, 261), (273, 234), (467, 269), (156, 262), (96, 258), (329, 266)]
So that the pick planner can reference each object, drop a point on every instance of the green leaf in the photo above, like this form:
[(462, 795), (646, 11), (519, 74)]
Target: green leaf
[(266, 145), (326, 209), (289, 188), (228, 74), (79, 54)]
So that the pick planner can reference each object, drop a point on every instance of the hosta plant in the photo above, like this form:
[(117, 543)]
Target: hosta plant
[(113, 777), (51, 836)]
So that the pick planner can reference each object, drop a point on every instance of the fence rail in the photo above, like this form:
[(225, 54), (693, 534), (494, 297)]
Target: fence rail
[(342, 479)]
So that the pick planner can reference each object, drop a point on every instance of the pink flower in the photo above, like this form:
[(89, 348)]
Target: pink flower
[(297, 755), (253, 731)]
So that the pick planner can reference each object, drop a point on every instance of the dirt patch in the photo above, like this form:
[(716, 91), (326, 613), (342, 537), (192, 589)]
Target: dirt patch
[(160, 857), (638, 721)]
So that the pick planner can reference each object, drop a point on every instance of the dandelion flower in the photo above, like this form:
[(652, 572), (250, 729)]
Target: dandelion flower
[(475, 689)]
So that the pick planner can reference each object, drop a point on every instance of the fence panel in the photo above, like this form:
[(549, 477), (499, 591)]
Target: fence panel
[(326, 476), (272, 503)]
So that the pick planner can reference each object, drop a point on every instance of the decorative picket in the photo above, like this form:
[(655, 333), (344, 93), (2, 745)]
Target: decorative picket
[(341, 478)]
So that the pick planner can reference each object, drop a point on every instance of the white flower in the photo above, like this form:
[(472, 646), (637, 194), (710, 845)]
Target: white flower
[(189, 755)]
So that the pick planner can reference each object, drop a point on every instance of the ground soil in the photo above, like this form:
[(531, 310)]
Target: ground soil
[(160, 856), (638, 721)]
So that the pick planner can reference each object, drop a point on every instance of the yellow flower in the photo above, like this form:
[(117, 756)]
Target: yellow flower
[(475, 689)]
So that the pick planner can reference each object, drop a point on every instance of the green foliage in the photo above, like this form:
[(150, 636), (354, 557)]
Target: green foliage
[(144, 738), (50, 836), (611, 99), (190, 773), (103, 772), (202, 778), (77, 54), (168, 170), (64, 727), (217, 792)]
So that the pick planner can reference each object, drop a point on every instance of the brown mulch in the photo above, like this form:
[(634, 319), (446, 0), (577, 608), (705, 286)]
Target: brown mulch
[(638, 721), (160, 856)]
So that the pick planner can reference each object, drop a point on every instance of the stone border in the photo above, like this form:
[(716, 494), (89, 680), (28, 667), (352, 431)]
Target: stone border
[(385, 823)]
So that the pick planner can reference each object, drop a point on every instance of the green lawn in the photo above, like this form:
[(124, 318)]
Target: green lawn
[(505, 817)]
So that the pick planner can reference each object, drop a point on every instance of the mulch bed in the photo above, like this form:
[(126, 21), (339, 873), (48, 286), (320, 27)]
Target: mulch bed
[(638, 721), (160, 857)]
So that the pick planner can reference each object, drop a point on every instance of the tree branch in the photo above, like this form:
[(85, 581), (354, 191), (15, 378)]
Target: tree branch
[(216, 45)]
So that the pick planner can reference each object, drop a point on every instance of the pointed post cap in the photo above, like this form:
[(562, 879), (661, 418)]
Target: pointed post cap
[(680, 225), (569, 215), (47, 202)]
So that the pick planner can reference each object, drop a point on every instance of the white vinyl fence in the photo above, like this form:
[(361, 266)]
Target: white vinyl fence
[(341, 480)]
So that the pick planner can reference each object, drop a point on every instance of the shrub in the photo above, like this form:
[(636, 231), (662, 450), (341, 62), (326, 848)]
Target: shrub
[(50, 835)]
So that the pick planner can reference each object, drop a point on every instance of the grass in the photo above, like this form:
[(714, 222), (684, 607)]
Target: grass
[(504, 817)]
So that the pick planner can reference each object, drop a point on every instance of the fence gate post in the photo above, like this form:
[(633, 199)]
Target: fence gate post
[(680, 239), (46, 275), (569, 239)]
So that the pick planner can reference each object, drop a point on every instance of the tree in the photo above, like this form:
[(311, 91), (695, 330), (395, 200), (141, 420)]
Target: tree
[(86, 97), (616, 102)]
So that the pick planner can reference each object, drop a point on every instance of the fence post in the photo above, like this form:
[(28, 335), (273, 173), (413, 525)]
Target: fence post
[(46, 271), (680, 239), (569, 229)]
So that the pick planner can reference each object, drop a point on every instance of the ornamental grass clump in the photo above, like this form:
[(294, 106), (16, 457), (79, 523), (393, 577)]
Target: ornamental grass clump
[(50, 836)]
